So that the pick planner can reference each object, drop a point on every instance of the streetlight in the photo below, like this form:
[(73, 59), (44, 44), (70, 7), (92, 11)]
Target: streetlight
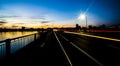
[(83, 17)]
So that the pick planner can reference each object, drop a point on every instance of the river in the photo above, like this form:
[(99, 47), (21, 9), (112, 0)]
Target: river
[(6, 35)]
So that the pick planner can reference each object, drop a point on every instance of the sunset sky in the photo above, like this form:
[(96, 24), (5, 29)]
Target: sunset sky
[(58, 13)]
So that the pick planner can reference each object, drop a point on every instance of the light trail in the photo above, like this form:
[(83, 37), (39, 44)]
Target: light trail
[(106, 38)]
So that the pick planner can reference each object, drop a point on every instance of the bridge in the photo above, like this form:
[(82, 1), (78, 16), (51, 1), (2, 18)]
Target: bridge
[(56, 48)]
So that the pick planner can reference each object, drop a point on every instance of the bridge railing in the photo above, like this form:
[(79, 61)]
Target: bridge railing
[(10, 46)]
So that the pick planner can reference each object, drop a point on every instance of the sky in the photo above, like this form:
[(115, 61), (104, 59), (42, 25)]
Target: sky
[(58, 13)]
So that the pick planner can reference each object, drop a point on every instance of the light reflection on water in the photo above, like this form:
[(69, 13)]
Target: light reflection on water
[(15, 44), (6, 35)]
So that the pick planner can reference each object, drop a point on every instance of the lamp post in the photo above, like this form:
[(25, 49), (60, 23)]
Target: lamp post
[(86, 21), (83, 17)]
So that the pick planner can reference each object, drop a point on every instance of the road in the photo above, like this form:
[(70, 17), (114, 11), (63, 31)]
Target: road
[(105, 51), (68, 49)]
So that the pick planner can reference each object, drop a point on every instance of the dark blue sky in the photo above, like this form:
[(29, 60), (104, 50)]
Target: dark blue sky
[(61, 11)]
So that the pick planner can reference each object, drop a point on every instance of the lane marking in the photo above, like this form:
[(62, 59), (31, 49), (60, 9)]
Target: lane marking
[(84, 52), (114, 47), (118, 40), (63, 50), (42, 45)]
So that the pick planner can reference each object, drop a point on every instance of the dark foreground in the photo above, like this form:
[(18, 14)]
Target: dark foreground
[(43, 52), (46, 51)]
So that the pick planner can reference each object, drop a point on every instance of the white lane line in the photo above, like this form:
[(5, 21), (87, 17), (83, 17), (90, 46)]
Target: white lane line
[(84, 52), (118, 40), (42, 45), (63, 50), (114, 47)]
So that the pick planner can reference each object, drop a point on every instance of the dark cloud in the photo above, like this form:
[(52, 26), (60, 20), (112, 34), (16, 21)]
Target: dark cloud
[(2, 22), (15, 26), (45, 21)]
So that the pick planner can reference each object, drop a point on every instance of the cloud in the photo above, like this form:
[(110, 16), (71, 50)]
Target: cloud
[(45, 21), (15, 26), (38, 17), (2, 22), (19, 23), (12, 16)]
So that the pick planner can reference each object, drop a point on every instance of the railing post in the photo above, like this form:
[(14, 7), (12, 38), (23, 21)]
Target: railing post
[(8, 47), (34, 37)]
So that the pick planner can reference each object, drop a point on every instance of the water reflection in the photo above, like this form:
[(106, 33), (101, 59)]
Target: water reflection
[(6, 35)]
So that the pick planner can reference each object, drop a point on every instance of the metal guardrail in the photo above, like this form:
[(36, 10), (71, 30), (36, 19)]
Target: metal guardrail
[(10, 46)]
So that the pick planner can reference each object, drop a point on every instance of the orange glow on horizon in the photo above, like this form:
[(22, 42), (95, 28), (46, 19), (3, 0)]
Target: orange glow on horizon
[(28, 25)]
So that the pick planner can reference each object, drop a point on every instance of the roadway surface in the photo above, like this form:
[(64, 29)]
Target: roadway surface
[(66, 49), (107, 52)]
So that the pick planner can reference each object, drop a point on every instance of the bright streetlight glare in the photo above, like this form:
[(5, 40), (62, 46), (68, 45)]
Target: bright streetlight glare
[(82, 16)]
